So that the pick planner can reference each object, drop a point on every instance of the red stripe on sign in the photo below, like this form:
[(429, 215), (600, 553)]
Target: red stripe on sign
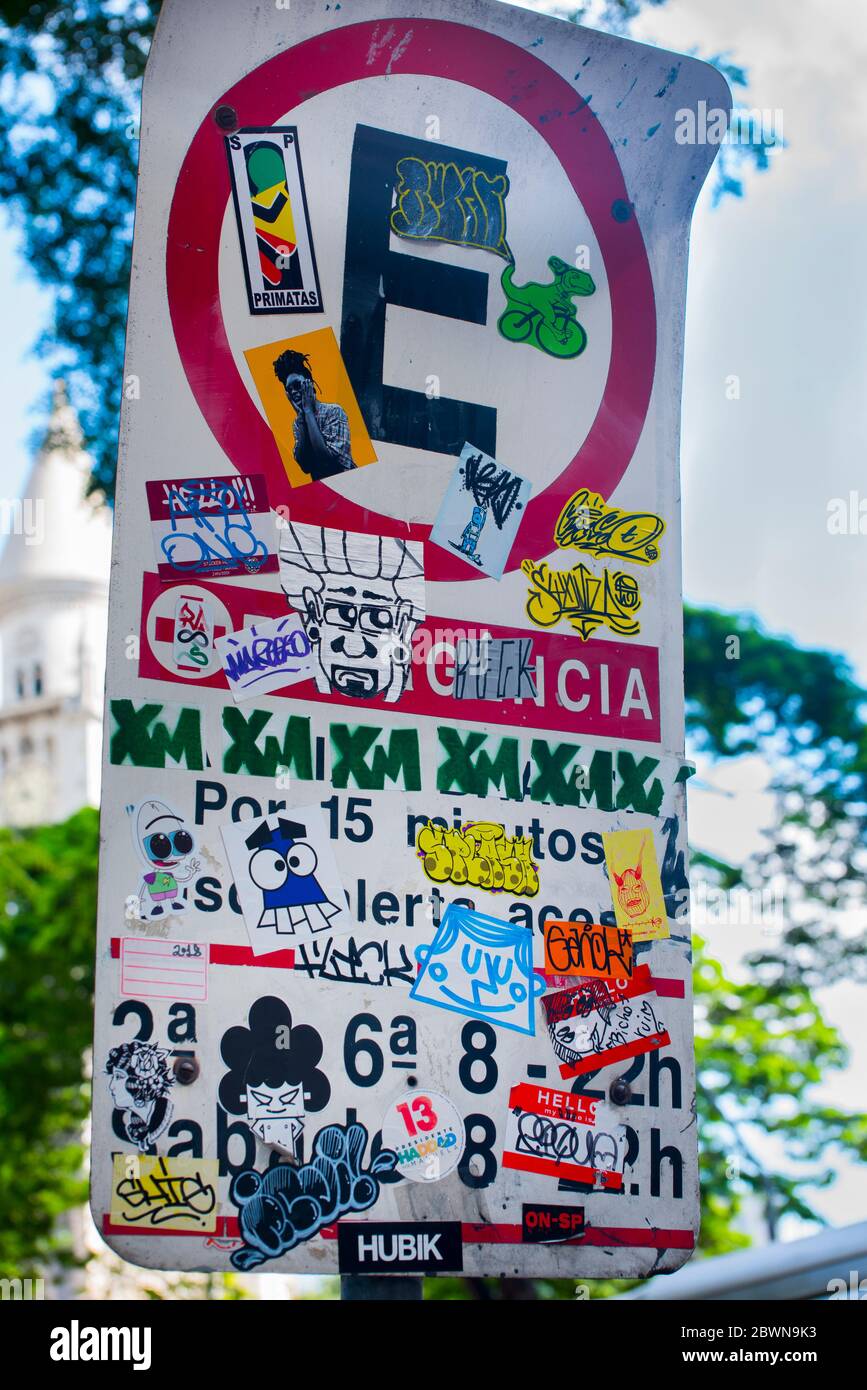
[(242, 955), (653, 1238), (556, 1105), (227, 1229), (668, 989), (572, 698), (616, 1054), (232, 955), (550, 1168), (640, 1237)]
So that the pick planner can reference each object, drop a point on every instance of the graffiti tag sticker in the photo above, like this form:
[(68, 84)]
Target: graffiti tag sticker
[(212, 528), (165, 1194), (273, 653), (482, 509)]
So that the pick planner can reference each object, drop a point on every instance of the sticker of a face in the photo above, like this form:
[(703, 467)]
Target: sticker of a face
[(286, 879), (274, 1077), (632, 891), (577, 1037), (139, 1085), (482, 968), (283, 866), (276, 1114), (360, 599), (165, 846)]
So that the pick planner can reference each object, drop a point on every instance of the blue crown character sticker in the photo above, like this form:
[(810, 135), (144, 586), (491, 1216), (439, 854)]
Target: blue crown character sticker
[(482, 968)]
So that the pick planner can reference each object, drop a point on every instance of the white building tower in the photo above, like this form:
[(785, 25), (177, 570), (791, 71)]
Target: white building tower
[(54, 573)]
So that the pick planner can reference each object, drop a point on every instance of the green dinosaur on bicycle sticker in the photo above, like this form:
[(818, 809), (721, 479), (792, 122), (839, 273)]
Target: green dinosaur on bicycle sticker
[(544, 315)]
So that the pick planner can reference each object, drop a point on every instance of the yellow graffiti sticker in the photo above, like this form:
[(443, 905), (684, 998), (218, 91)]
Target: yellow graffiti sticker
[(586, 600), (479, 853), (586, 523), (164, 1194), (636, 888)]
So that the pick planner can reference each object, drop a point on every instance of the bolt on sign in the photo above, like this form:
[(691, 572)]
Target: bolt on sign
[(394, 959)]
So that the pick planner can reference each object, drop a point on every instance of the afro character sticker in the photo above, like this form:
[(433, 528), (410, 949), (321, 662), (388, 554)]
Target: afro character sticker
[(360, 598), (139, 1085), (311, 407), (274, 1079), (636, 888), (164, 844), (286, 879)]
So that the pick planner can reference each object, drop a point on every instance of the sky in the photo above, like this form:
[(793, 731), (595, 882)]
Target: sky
[(777, 298)]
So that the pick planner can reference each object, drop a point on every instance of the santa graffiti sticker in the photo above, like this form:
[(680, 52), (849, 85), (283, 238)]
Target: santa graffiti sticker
[(273, 222), (427, 1134)]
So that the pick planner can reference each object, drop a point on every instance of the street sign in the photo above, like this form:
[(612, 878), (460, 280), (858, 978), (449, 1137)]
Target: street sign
[(393, 954)]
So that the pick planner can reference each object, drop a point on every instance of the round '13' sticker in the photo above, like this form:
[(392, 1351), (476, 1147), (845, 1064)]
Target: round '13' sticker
[(427, 1134)]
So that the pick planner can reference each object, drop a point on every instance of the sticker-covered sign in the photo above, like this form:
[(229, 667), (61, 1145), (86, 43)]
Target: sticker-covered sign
[(393, 821)]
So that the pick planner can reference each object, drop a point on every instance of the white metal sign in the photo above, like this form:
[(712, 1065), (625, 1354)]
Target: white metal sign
[(393, 958)]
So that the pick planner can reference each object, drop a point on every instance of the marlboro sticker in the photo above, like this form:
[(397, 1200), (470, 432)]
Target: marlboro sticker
[(273, 222)]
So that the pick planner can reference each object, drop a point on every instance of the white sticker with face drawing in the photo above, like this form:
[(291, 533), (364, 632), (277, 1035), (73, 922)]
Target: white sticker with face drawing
[(286, 878), (360, 599), (427, 1134), (165, 845)]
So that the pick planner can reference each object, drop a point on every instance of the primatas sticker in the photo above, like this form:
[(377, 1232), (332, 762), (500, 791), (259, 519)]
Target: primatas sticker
[(427, 1134)]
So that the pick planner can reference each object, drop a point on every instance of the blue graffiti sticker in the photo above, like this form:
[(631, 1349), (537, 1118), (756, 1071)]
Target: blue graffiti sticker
[(482, 968), (287, 1205), (480, 514)]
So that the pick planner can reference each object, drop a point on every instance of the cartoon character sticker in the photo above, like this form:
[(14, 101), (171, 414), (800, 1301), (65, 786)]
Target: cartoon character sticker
[(165, 845), (609, 1033), (274, 1078), (139, 1085), (636, 886), (544, 315), (286, 879), (482, 968), (360, 598), (481, 511)]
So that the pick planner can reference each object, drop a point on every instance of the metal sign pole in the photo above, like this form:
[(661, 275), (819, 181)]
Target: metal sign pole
[(376, 1288)]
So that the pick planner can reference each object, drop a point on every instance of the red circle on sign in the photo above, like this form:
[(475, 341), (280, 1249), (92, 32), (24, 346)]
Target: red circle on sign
[(459, 53)]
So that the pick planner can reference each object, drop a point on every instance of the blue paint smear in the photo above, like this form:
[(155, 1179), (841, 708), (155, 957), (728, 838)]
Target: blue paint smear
[(671, 77), (626, 94)]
